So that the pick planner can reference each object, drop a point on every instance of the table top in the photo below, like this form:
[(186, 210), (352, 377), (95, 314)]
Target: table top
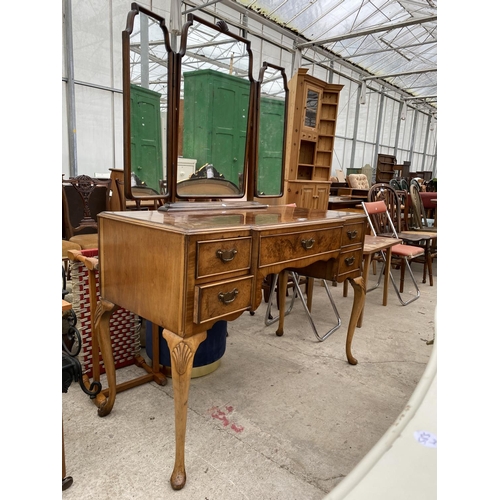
[(374, 244), (339, 202), (430, 234), (231, 218)]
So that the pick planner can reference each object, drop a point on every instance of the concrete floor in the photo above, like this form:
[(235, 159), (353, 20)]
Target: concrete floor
[(281, 418)]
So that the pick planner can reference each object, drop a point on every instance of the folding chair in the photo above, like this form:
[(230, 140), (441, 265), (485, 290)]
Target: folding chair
[(403, 254), (297, 291)]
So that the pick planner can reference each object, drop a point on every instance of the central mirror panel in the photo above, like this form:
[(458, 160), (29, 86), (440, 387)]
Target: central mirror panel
[(216, 97)]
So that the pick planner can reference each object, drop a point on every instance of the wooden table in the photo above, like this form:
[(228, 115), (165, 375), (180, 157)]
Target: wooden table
[(340, 202), (185, 270), (373, 245)]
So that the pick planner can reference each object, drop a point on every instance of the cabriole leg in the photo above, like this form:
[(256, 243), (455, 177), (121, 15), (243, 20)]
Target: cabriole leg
[(182, 353)]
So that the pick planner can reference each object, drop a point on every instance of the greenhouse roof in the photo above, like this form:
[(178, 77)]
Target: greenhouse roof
[(391, 41)]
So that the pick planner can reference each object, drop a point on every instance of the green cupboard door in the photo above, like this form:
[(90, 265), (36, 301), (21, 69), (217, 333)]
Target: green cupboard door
[(146, 136), (270, 141), (230, 112), (215, 121)]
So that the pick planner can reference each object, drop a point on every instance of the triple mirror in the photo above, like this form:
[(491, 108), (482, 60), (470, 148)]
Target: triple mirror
[(197, 125)]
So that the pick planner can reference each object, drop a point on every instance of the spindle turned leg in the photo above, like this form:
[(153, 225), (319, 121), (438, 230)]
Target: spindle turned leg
[(182, 351), (282, 286)]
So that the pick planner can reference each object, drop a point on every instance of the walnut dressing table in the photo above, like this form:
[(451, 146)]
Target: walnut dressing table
[(185, 270)]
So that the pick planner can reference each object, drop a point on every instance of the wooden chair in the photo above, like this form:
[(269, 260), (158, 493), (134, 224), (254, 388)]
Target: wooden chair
[(83, 198), (140, 204), (402, 255), (419, 219), (420, 225)]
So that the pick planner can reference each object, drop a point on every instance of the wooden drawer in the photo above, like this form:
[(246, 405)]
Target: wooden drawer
[(350, 263), (289, 247), (352, 234), (216, 300), (216, 257)]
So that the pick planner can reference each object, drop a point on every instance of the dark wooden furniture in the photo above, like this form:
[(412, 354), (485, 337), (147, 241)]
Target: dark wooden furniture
[(385, 168), (184, 270), (83, 198), (334, 187), (312, 116)]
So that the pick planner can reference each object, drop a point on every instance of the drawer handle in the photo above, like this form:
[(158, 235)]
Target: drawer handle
[(307, 244), (349, 261), (228, 297), (226, 255), (352, 234)]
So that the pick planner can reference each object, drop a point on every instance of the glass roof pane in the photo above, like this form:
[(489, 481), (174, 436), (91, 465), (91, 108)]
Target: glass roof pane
[(380, 37)]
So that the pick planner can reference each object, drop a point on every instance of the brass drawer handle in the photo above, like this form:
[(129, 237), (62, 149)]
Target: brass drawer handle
[(349, 261), (228, 297), (226, 255), (352, 234), (307, 244)]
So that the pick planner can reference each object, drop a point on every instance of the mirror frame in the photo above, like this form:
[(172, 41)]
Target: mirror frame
[(136, 9), (248, 164), (255, 149)]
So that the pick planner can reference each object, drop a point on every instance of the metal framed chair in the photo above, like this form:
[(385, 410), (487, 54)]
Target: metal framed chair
[(297, 291), (397, 205), (378, 216)]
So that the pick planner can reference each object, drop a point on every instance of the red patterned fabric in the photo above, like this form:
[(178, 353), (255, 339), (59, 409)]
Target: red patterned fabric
[(124, 325)]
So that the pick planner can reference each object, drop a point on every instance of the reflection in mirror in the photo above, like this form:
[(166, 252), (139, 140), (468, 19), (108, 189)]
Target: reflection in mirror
[(214, 111), (146, 56), (271, 141)]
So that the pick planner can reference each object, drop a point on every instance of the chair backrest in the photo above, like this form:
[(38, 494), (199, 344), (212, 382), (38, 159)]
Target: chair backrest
[(384, 192), (358, 181), (378, 216), (395, 184), (83, 198), (418, 212), (414, 182), (404, 184)]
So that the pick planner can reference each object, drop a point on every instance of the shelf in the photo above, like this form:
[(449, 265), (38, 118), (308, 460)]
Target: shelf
[(309, 152)]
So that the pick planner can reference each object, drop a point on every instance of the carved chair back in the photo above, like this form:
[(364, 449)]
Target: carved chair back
[(83, 198)]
